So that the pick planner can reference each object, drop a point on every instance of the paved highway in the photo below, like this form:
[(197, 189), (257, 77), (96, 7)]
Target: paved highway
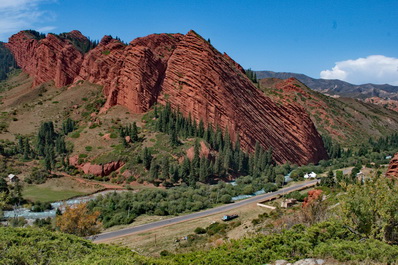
[(218, 210)]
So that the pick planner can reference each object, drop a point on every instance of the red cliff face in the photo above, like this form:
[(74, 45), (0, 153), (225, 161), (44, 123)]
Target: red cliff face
[(201, 81), (50, 59), (131, 75), (392, 171), (187, 72)]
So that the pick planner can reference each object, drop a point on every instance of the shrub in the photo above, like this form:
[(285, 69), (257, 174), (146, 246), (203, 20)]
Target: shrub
[(269, 187), (88, 148), (200, 230)]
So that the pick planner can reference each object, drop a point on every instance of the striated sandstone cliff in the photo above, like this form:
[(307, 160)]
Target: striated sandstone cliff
[(187, 72), (200, 81), (50, 59), (392, 171)]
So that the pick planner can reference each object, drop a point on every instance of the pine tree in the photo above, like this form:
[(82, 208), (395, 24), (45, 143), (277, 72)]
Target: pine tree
[(134, 133), (146, 158), (203, 169), (20, 145), (154, 171), (68, 126), (26, 151), (328, 181), (165, 167), (219, 139), (201, 129), (174, 174), (227, 159), (185, 170), (196, 158), (174, 138)]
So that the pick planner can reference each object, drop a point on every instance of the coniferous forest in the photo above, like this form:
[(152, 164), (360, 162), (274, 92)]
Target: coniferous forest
[(7, 61)]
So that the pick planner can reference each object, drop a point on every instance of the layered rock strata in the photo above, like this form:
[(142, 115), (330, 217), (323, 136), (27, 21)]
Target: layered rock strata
[(184, 70), (392, 171)]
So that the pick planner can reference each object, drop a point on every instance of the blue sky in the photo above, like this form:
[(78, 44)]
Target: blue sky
[(354, 41)]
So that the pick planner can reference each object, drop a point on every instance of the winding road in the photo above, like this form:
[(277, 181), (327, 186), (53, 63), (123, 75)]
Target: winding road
[(217, 210)]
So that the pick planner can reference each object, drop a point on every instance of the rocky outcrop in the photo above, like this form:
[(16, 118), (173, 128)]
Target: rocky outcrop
[(312, 196), (392, 171), (308, 261), (50, 59), (186, 71), (388, 103), (101, 170), (203, 152), (131, 75), (201, 81)]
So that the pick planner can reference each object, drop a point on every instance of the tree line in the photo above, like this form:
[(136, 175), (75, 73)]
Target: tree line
[(7, 61), (229, 158)]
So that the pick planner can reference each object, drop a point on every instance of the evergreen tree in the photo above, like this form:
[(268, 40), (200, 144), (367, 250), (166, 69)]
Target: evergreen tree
[(174, 138), (185, 170), (280, 180), (68, 126), (203, 169), (174, 174), (165, 167), (196, 158), (146, 158), (20, 145), (134, 133), (3, 185), (154, 171), (227, 159), (328, 181), (26, 150), (201, 129)]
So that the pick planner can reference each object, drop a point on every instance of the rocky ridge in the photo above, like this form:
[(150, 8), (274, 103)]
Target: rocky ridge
[(345, 120), (184, 70)]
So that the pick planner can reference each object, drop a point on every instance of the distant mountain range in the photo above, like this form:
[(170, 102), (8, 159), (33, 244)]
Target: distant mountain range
[(338, 87)]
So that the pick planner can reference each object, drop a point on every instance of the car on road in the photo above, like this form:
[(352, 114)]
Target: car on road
[(229, 217)]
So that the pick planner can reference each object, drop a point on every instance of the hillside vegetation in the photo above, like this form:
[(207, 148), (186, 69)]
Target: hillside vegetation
[(328, 240), (175, 165), (39, 246), (7, 62), (347, 121)]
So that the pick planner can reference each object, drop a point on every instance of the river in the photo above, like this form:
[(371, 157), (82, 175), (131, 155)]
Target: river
[(27, 214)]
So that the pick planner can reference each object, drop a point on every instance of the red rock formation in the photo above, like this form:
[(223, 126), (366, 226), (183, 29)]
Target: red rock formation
[(388, 103), (312, 195), (101, 170), (50, 59), (392, 171), (131, 75), (204, 151), (201, 81), (187, 72)]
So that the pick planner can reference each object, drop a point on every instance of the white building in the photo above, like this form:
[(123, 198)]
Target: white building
[(13, 178), (311, 175)]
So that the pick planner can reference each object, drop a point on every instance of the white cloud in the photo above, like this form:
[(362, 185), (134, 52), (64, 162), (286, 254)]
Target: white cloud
[(377, 69), (16, 15), (46, 29)]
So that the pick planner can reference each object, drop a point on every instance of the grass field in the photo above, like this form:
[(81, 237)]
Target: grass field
[(44, 194)]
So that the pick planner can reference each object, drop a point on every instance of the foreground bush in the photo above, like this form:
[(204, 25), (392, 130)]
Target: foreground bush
[(324, 240), (38, 246)]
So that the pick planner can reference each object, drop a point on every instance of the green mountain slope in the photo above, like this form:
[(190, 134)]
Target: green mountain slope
[(346, 120)]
